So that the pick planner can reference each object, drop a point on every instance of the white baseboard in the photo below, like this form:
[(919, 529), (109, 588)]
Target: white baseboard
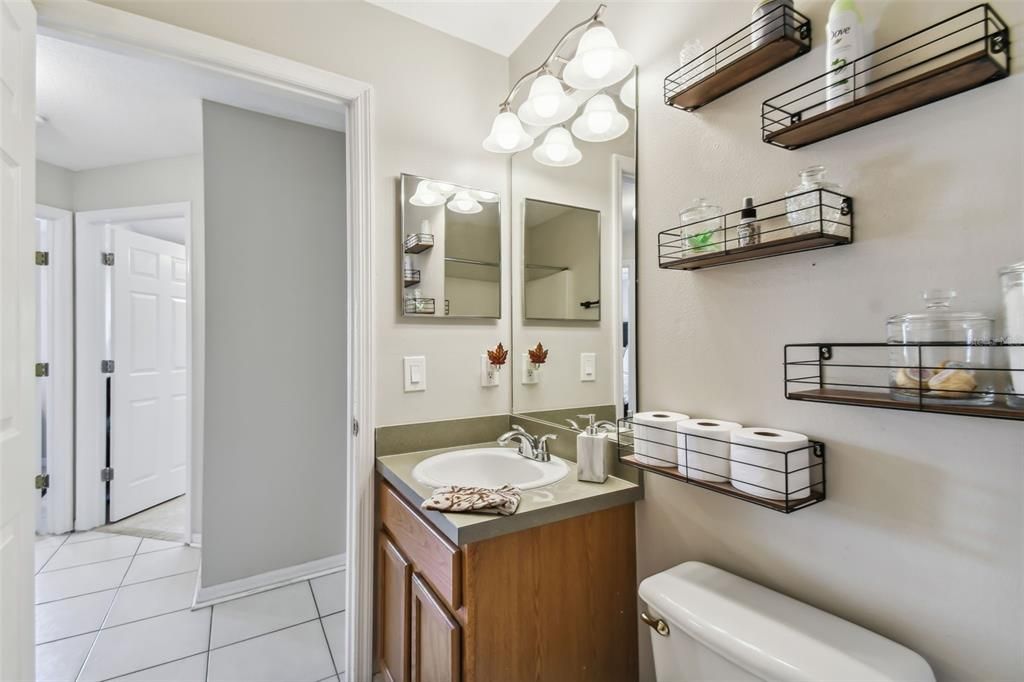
[(235, 589)]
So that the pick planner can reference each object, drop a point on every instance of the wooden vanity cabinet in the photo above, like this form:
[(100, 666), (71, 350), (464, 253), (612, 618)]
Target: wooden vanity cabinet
[(555, 603)]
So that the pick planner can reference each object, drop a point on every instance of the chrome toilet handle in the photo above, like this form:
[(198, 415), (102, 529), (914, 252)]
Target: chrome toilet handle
[(660, 626)]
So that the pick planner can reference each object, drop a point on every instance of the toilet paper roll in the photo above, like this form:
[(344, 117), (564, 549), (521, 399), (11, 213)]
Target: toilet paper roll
[(756, 447), (654, 437), (707, 458)]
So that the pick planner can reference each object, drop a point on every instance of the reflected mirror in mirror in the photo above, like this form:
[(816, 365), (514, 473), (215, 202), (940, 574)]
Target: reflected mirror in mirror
[(450, 249), (561, 262)]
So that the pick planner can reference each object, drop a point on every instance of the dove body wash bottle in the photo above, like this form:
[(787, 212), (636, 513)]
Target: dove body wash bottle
[(848, 40)]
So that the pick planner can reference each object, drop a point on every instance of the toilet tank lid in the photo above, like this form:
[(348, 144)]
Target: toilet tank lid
[(771, 635)]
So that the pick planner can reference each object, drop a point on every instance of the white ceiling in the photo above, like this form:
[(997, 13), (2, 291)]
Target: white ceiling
[(106, 109), (497, 25)]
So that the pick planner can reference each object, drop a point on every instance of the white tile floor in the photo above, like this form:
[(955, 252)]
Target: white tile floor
[(119, 607)]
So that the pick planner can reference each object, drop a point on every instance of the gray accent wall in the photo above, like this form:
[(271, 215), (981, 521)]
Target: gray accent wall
[(274, 492)]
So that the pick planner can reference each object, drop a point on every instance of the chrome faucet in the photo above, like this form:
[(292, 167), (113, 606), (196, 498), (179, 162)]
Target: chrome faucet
[(530, 447)]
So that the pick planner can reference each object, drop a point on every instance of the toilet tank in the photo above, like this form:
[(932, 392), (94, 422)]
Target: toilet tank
[(723, 627)]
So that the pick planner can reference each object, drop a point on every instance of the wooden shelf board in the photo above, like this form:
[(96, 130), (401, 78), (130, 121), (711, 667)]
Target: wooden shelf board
[(774, 247), (740, 71), (418, 247), (944, 81), (727, 489), (883, 399)]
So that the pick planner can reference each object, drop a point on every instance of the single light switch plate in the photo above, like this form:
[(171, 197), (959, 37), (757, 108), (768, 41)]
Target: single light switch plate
[(414, 373), (489, 374), (531, 375), (588, 366)]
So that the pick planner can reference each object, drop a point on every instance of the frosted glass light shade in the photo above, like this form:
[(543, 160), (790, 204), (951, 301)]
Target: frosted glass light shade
[(485, 197), (547, 104), (442, 188), (462, 202), (507, 135), (557, 149), (599, 61), (600, 120), (425, 196), (628, 93)]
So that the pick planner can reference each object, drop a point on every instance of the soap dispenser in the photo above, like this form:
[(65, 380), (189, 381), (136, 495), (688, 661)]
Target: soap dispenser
[(591, 461)]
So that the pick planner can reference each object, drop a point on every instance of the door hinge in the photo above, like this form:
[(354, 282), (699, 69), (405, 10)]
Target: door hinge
[(107, 366), (42, 481), (42, 257), (108, 258), (355, 427), (42, 369), (107, 474)]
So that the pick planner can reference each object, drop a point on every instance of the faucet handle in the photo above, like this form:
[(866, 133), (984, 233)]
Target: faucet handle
[(542, 442), (606, 425), (574, 425)]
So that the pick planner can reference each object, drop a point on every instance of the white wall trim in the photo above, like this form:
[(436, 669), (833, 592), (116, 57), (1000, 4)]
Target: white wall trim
[(244, 587), (94, 24), (621, 165)]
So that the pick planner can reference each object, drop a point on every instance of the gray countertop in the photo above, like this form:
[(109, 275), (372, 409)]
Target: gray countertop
[(556, 502)]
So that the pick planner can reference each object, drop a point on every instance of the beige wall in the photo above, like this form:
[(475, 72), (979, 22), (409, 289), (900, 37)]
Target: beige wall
[(54, 186), (435, 98), (921, 536)]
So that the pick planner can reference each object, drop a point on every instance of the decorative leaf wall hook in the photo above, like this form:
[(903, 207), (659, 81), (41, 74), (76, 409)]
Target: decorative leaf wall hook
[(538, 355), (498, 356)]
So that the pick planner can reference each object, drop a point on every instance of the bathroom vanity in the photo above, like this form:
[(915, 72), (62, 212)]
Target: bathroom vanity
[(547, 594)]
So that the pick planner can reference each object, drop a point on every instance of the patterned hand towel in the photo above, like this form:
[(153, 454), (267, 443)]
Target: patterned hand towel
[(461, 498)]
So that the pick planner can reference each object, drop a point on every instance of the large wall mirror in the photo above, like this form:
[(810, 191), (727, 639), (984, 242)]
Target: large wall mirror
[(450, 249), (573, 218)]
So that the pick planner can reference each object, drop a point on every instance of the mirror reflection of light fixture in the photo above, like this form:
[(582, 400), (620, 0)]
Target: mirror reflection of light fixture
[(557, 149), (507, 134), (443, 188), (628, 93), (486, 197), (599, 61), (462, 202), (547, 104), (425, 195), (600, 121)]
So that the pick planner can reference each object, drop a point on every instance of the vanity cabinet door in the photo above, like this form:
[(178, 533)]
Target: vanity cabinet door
[(436, 638), (393, 590)]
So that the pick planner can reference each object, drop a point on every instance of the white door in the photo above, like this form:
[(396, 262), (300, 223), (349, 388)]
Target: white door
[(19, 426), (148, 392)]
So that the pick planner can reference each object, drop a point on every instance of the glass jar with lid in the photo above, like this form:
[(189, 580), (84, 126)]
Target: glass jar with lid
[(702, 228), (1012, 279), (808, 211), (953, 367)]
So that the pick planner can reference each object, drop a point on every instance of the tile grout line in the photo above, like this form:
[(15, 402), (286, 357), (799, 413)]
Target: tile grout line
[(107, 589), (93, 563), (323, 628), (209, 643), (48, 559), (150, 667)]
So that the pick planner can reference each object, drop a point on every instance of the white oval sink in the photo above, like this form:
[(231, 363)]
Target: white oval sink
[(488, 468)]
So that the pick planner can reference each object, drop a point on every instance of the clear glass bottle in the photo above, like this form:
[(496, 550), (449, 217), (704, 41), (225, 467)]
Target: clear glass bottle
[(955, 374), (809, 211), (702, 228), (1012, 279)]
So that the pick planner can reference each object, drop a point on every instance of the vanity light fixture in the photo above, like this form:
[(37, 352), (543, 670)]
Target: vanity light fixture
[(425, 196), (628, 93), (547, 104), (599, 61), (462, 202), (557, 149), (443, 188), (600, 121), (507, 134), (485, 197)]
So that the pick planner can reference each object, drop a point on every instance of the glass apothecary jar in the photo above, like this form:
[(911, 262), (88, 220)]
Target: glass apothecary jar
[(953, 374), (808, 211), (1012, 280), (702, 225)]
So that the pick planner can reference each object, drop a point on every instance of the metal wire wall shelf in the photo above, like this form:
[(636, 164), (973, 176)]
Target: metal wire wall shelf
[(811, 220), (768, 42), (420, 306), (410, 276), (418, 243), (781, 480), (978, 382), (960, 53)]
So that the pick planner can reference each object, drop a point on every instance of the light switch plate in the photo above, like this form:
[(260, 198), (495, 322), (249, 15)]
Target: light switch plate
[(530, 375), (588, 366), (489, 374), (415, 373)]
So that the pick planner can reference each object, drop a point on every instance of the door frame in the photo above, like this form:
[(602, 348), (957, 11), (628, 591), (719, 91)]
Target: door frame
[(93, 334), (61, 356), (112, 29), (620, 166)]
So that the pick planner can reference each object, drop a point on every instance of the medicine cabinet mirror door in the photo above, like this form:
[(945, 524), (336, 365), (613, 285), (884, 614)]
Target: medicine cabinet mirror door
[(449, 249)]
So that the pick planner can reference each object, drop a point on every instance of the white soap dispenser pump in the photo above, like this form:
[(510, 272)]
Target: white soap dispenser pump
[(591, 459)]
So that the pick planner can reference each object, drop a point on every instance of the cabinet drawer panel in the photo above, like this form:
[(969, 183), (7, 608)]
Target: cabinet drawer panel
[(434, 557)]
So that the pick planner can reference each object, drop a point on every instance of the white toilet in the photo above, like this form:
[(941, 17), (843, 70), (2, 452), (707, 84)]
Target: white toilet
[(709, 625)]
